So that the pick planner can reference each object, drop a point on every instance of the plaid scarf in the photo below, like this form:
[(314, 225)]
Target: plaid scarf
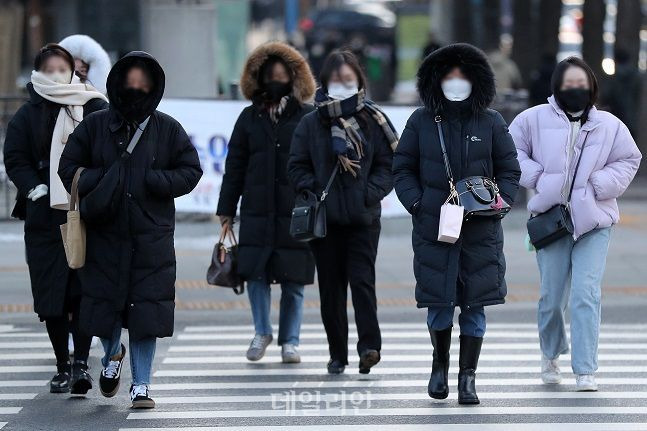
[(347, 138), (277, 109)]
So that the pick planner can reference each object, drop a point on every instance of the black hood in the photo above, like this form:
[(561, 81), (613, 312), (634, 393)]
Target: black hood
[(473, 63), (117, 79)]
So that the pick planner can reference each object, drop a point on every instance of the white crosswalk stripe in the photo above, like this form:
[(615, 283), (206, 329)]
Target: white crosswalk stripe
[(15, 392), (204, 383), (204, 376)]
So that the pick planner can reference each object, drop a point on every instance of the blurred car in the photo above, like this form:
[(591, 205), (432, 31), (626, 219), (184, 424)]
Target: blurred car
[(367, 29)]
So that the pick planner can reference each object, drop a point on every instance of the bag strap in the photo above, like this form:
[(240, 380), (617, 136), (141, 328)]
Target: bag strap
[(330, 181), (448, 168), (74, 196), (138, 134), (577, 166), (228, 233)]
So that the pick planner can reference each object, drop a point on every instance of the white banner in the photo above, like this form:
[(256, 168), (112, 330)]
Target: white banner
[(209, 124)]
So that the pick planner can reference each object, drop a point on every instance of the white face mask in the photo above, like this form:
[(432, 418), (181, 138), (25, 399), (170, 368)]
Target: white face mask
[(342, 90), (60, 77), (456, 89)]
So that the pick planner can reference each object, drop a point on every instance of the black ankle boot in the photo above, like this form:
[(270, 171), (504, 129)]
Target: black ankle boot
[(467, 362), (60, 383), (441, 340), (81, 381)]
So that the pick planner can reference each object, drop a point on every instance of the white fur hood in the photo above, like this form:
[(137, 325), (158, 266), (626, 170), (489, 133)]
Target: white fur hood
[(91, 52)]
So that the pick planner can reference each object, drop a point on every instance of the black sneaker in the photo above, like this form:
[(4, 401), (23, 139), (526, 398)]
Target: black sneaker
[(368, 359), (81, 381), (335, 366), (140, 398), (110, 375), (60, 383)]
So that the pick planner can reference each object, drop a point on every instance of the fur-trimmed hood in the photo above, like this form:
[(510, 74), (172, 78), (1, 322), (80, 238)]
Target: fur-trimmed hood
[(89, 50), (474, 64), (303, 82)]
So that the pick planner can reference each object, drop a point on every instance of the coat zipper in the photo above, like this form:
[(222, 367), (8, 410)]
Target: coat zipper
[(467, 151)]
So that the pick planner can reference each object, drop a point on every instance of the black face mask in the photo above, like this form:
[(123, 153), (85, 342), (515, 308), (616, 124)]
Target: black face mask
[(573, 99), (275, 90), (134, 104)]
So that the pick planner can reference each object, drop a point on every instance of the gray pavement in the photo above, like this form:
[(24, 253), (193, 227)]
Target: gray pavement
[(202, 379)]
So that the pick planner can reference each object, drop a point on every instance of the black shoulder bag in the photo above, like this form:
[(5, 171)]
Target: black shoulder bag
[(309, 213), (478, 195), (556, 223)]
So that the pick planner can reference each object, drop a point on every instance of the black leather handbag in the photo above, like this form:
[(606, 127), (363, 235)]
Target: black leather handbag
[(309, 213), (556, 223), (478, 195), (223, 270)]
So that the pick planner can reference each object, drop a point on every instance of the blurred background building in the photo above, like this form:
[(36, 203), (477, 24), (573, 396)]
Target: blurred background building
[(202, 44)]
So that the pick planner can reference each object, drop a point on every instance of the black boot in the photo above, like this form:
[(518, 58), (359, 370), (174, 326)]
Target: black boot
[(60, 383), (441, 340), (467, 362), (81, 381)]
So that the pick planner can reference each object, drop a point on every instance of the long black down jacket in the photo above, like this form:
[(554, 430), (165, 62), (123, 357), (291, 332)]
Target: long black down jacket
[(256, 170), (470, 272), (26, 159), (129, 272)]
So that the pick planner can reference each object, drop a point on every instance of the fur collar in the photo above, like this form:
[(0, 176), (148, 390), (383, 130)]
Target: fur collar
[(474, 64), (303, 81)]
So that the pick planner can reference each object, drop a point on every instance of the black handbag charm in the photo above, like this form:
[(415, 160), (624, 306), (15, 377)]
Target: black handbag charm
[(478, 195), (309, 213), (223, 270), (556, 223)]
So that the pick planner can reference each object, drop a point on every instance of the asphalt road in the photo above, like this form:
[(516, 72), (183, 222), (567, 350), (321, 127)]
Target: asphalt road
[(203, 382)]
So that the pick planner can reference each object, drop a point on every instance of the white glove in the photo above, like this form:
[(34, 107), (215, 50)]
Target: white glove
[(38, 192)]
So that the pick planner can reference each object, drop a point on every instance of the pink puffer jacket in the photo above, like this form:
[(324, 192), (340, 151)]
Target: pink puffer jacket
[(609, 163)]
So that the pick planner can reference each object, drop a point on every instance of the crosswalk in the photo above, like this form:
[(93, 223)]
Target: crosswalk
[(14, 392), (203, 382)]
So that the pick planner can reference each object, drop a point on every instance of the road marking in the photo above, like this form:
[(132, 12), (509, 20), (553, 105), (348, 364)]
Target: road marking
[(23, 334), (408, 334), (418, 326), (2, 424), (576, 426), (10, 410), (22, 383), (11, 356), (305, 397), (258, 371), (10, 397), (27, 369), (242, 348), (376, 383), (386, 357), (411, 411), (25, 345)]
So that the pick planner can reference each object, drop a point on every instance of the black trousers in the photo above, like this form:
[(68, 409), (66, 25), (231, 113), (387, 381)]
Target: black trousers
[(59, 328), (347, 255)]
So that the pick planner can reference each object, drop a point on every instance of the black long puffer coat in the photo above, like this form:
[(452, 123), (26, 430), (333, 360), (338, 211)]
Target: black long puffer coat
[(129, 272), (256, 170), (471, 271), (26, 159)]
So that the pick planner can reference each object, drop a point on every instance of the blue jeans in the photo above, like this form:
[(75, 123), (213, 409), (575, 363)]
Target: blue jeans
[(471, 320), (290, 312), (571, 272), (141, 352)]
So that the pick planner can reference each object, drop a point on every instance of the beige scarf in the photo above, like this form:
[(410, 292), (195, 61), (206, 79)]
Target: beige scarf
[(73, 96)]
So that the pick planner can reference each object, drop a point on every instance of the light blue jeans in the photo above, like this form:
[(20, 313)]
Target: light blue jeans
[(471, 321), (290, 313), (571, 274), (141, 354)]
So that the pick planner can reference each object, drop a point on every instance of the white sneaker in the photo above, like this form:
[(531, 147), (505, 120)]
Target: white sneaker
[(257, 347), (585, 383), (289, 354), (550, 373)]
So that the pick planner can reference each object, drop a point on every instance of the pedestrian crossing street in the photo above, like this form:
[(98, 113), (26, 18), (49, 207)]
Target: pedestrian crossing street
[(203, 382)]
